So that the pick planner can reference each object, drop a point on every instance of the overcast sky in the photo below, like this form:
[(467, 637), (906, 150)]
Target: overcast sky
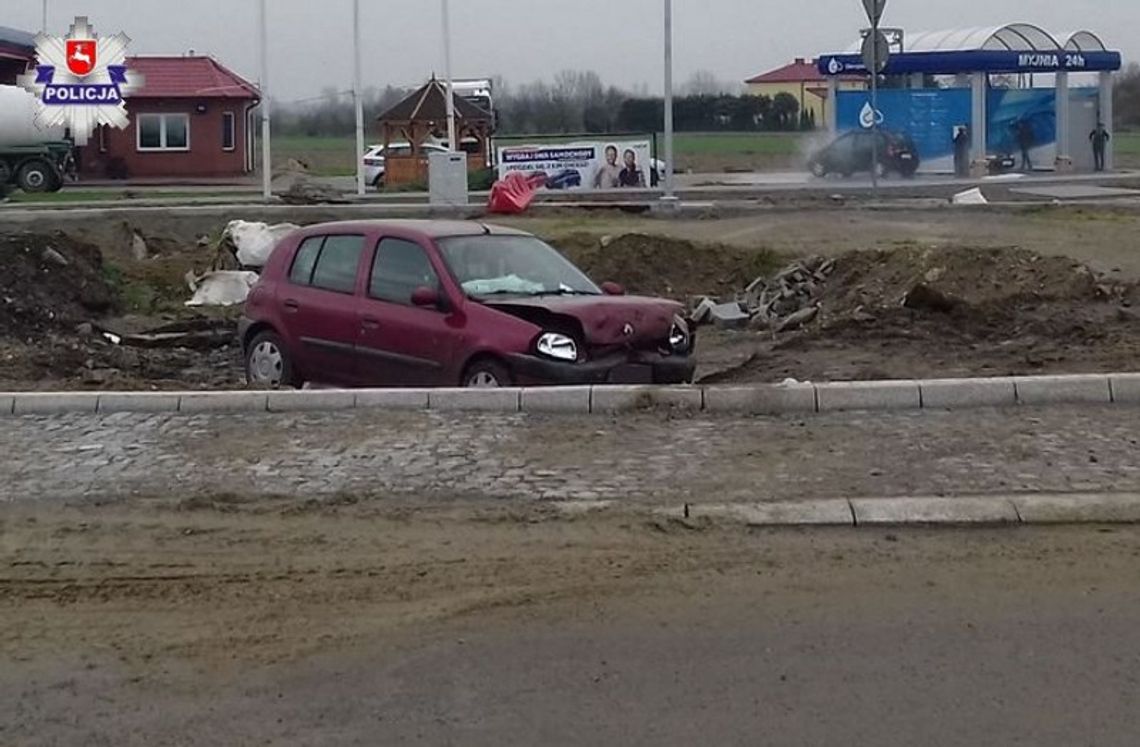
[(310, 46)]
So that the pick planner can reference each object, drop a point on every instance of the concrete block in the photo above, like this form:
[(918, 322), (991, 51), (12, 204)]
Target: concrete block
[(729, 316), (235, 401), (1058, 390), (7, 404), (54, 403), (475, 400), (888, 511), (392, 399), (608, 399), (774, 399), (868, 395), (956, 394), (139, 401), (314, 400), (799, 513), (1125, 388), (1079, 508), (567, 399)]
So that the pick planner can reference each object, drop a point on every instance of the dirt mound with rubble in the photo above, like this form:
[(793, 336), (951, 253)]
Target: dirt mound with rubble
[(60, 325), (661, 266), (49, 283), (942, 312)]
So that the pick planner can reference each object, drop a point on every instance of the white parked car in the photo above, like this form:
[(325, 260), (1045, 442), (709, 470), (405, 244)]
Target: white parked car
[(374, 158)]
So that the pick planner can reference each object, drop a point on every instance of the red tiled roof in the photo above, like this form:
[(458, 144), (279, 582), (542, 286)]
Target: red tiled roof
[(799, 71), (189, 77)]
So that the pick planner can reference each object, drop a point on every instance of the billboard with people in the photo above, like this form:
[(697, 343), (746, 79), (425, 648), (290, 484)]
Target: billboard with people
[(583, 165)]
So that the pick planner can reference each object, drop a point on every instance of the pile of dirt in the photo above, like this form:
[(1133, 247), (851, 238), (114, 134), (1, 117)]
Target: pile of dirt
[(952, 312), (952, 280), (661, 266), (49, 282), (57, 325)]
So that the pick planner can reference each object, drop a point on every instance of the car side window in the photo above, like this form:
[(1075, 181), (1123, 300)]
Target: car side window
[(305, 260), (338, 263), (399, 268)]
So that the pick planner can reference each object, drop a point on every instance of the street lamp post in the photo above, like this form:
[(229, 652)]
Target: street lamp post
[(266, 154), (670, 187), (452, 145), (357, 96)]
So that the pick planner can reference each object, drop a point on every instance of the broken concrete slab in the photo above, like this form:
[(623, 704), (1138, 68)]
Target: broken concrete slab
[(730, 316)]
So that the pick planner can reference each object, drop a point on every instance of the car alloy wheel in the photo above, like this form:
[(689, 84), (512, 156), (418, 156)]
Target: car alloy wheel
[(483, 380)]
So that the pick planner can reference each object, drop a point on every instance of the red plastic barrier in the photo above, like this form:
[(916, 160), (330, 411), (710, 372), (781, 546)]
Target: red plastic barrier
[(513, 194)]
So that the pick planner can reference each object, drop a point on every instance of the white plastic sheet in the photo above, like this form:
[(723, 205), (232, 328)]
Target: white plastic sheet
[(255, 241), (223, 288)]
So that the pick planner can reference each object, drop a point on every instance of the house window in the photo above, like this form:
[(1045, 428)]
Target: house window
[(163, 131), (228, 131)]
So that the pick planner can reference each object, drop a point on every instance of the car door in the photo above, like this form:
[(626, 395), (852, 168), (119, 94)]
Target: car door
[(319, 307), (401, 344)]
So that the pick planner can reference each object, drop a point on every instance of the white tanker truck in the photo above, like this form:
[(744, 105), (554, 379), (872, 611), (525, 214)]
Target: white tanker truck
[(31, 158)]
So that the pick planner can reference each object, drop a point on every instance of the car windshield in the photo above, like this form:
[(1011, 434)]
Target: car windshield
[(512, 265)]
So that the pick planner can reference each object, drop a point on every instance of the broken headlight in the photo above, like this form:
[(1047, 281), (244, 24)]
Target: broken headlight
[(680, 339), (558, 346)]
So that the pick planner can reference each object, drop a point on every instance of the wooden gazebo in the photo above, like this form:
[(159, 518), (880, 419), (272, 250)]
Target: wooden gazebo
[(422, 117)]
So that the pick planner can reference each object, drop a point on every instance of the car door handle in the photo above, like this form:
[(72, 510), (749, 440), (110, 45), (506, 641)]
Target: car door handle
[(292, 306), (370, 322)]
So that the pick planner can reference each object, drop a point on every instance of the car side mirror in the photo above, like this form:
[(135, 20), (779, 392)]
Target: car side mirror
[(613, 289), (425, 297)]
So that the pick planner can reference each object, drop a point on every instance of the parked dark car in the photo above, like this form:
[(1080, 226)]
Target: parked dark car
[(852, 153), (419, 303), (565, 179)]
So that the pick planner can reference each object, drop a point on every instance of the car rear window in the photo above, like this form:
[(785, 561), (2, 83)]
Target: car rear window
[(328, 262)]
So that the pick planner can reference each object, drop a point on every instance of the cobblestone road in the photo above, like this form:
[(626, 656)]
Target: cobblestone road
[(645, 457)]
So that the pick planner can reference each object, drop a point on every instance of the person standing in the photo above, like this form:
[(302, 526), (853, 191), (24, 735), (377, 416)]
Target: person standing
[(1025, 141), (962, 152), (631, 175), (1099, 138)]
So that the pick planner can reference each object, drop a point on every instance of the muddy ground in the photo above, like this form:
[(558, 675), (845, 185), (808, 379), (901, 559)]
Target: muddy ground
[(1023, 290), (234, 622)]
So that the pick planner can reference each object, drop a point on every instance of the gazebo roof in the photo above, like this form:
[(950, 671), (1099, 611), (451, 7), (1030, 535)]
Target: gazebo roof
[(429, 104)]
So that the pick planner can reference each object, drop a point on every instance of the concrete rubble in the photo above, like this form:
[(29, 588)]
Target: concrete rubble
[(788, 300)]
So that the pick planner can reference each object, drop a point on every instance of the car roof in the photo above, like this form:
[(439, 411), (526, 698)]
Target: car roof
[(436, 229)]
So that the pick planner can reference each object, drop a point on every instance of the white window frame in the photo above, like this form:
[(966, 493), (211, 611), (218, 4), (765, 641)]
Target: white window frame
[(162, 132), (232, 117)]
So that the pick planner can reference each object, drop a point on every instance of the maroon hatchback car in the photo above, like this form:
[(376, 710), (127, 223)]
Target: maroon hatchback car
[(434, 303)]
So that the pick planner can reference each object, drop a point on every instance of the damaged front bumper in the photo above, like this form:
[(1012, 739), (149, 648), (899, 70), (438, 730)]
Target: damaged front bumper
[(625, 368)]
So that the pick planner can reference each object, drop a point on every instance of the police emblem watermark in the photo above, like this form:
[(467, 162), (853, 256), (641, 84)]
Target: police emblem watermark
[(81, 80)]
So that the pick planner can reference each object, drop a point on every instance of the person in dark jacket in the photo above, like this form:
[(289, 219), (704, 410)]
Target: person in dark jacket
[(1025, 141), (631, 175), (1099, 139), (962, 152)]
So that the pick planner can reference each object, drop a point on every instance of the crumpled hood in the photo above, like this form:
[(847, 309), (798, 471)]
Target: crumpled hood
[(605, 320)]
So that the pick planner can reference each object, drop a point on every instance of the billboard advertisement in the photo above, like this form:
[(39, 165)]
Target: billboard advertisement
[(583, 165), (930, 116)]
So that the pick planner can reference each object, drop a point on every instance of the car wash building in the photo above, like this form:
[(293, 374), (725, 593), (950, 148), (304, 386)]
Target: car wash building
[(1001, 82)]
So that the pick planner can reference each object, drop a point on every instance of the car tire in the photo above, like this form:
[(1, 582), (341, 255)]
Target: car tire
[(36, 175), (268, 364), (486, 373)]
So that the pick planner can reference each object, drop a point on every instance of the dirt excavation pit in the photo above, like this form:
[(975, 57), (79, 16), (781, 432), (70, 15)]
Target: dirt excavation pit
[(901, 313)]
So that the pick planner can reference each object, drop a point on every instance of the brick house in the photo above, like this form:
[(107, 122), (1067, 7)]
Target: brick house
[(802, 79), (193, 118)]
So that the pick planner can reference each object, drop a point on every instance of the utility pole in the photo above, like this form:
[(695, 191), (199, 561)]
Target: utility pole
[(358, 96), (452, 145), (266, 152), (670, 187)]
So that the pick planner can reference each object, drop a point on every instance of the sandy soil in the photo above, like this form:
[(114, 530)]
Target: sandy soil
[(209, 622)]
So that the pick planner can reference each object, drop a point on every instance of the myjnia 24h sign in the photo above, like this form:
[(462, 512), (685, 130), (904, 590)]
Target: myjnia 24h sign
[(81, 80)]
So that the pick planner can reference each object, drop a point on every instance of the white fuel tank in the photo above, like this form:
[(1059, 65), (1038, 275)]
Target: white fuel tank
[(18, 119)]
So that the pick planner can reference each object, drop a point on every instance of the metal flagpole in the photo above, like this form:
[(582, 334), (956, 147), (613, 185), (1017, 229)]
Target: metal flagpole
[(451, 134), (358, 97), (266, 153), (670, 193)]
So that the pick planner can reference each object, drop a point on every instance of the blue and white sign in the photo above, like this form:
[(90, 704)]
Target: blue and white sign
[(978, 61)]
